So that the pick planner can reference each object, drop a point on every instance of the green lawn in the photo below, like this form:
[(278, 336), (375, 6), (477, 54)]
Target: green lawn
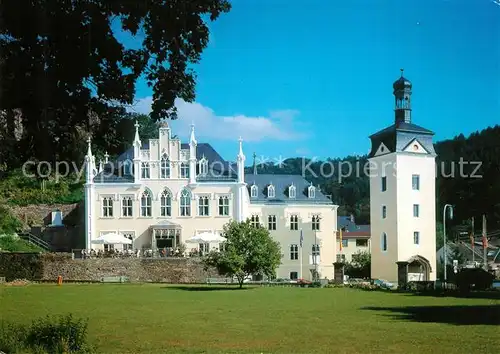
[(168, 319)]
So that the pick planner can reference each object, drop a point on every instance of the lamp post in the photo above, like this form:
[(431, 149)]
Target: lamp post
[(444, 236)]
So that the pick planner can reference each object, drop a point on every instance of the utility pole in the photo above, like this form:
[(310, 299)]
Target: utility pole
[(473, 242), (485, 244)]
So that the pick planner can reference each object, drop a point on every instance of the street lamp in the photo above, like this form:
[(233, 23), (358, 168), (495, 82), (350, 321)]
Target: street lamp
[(444, 235)]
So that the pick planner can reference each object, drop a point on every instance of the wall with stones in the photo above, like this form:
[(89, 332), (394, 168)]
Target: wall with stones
[(52, 265), (37, 219)]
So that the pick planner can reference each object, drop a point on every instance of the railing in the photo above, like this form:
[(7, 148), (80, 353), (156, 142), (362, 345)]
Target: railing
[(27, 236), (143, 254)]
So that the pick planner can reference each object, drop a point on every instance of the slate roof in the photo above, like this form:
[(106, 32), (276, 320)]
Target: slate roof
[(219, 169), (351, 229), (281, 184), (397, 137)]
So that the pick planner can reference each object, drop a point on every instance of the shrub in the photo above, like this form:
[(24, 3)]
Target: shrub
[(474, 279), (9, 224), (48, 335)]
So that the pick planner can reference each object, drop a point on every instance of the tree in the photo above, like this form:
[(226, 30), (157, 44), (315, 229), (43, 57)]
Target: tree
[(68, 66), (360, 266), (248, 251)]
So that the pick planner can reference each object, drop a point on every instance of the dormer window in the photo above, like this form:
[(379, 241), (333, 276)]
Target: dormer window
[(292, 191), (311, 192), (271, 193), (203, 165), (253, 191)]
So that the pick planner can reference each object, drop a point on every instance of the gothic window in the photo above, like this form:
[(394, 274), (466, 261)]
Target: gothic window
[(315, 223), (203, 166), (271, 222), (145, 172), (311, 191), (184, 170), (130, 236), (223, 205), (203, 206), (165, 167), (146, 204), (253, 191), (271, 193), (185, 203), (166, 203), (127, 207), (107, 207), (292, 192), (294, 222)]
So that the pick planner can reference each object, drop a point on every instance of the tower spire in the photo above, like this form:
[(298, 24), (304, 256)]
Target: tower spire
[(254, 163), (136, 138), (402, 94), (89, 148)]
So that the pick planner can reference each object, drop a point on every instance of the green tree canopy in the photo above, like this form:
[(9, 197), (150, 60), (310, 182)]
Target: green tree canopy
[(360, 266), (248, 250), (65, 64)]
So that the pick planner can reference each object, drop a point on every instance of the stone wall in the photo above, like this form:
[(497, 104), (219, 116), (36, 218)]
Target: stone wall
[(37, 218), (52, 265)]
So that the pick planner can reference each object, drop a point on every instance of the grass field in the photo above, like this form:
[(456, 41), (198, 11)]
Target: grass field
[(175, 319)]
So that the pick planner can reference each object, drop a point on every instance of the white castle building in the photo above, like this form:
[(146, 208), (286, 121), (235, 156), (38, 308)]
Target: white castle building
[(403, 196), (161, 193)]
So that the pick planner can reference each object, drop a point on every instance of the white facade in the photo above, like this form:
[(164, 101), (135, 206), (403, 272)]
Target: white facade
[(403, 196), (184, 189)]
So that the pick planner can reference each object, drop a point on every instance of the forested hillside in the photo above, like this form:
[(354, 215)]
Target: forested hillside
[(472, 186), (468, 177)]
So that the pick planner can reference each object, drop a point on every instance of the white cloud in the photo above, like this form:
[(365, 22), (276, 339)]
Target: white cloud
[(278, 125)]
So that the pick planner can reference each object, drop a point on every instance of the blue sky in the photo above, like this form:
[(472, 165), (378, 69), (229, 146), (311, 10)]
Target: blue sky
[(315, 78)]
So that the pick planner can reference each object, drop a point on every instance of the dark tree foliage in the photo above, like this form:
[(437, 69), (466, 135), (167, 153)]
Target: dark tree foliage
[(63, 66), (472, 185)]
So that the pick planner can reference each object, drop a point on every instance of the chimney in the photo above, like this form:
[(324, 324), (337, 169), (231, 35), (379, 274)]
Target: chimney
[(352, 218)]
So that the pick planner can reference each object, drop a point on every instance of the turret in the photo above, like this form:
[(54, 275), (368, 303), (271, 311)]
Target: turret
[(89, 164), (137, 154), (192, 156), (241, 162)]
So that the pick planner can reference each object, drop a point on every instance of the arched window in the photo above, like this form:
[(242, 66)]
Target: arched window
[(185, 203), (311, 191), (383, 240), (184, 170), (165, 167), (146, 202), (292, 191), (203, 166), (166, 203), (253, 191), (271, 193)]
